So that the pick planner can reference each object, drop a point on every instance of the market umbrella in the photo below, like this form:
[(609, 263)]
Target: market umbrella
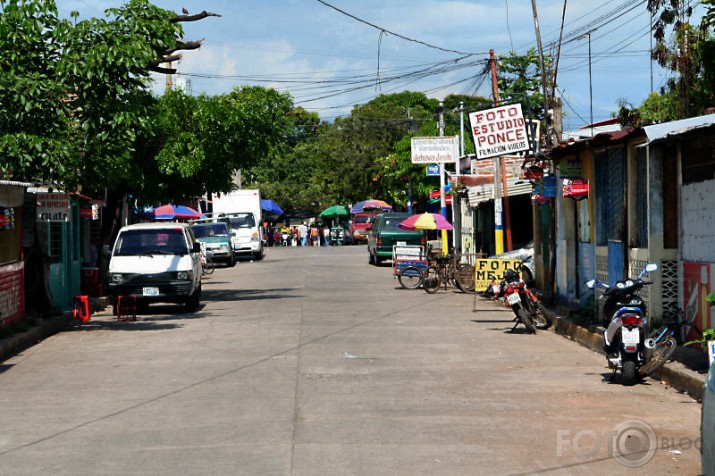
[(176, 212), (428, 221), (271, 207), (371, 205), (336, 211), (425, 221)]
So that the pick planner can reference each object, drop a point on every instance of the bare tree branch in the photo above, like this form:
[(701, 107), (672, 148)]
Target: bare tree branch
[(196, 17)]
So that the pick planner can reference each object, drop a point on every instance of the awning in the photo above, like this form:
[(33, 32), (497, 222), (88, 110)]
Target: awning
[(482, 193)]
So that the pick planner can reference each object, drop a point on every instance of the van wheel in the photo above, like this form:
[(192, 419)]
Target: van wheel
[(193, 303), (258, 256), (370, 259), (231, 261)]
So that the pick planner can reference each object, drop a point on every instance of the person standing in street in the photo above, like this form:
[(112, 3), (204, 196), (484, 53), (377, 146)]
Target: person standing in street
[(303, 230), (315, 235), (326, 235)]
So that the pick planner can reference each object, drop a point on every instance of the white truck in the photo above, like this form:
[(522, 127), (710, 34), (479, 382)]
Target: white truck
[(241, 211)]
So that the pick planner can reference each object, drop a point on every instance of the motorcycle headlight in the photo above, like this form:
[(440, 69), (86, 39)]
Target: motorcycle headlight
[(117, 278)]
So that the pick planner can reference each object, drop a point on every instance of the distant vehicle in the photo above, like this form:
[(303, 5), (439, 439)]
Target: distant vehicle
[(361, 224), (216, 242), (526, 254), (241, 211), (385, 233), (156, 262)]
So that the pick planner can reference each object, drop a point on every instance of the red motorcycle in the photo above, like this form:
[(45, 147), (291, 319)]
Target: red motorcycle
[(525, 304)]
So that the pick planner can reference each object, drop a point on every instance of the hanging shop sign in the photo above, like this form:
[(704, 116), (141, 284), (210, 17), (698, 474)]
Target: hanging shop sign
[(576, 189), (434, 150), (89, 212), (434, 195), (498, 131), (53, 207), (570, 169), (433, 170), (7, 219)]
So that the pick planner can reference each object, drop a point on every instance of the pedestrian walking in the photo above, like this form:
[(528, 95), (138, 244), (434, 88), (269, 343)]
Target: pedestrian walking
[(303, 230), (314, 236), (326, 235)]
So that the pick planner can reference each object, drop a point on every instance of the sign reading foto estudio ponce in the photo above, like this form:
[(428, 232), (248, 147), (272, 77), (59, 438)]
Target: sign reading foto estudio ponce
[(498, 131)]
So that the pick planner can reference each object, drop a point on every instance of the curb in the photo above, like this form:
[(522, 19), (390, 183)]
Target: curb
[(47, 327), (43, 329), (673, 373)]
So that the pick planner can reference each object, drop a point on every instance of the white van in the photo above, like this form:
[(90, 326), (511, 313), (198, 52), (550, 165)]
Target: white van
[(156, 262)]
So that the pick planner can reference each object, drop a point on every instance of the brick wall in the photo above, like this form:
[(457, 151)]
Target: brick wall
[(12, 293)]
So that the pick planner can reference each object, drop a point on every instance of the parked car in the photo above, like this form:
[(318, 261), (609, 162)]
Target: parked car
[(361, 224), (707, 425), (385, 233), (156, 262), (215, 240), (526, 254)]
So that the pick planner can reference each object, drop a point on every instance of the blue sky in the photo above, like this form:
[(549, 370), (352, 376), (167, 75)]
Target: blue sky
[(330, 61)]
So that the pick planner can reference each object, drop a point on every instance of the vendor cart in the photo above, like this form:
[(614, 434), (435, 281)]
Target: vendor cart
[(409, 264)]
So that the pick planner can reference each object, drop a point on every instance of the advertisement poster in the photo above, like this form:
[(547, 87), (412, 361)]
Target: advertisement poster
[(488, 270), (697, 284)]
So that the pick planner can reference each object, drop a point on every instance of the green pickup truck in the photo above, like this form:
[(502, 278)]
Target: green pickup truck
[(385, 233)]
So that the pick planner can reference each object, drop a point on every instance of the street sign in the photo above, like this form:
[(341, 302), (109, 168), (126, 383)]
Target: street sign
[(431, 150), (433, 170), (499, 131)]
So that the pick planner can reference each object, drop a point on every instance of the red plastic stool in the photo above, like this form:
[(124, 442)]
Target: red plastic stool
[(126, 308), (81, 311)]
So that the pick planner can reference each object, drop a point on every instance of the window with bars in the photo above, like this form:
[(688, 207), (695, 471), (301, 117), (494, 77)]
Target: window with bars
[(55, 241), (610, 167)]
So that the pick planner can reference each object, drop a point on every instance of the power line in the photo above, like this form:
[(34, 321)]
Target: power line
[(379, 28)]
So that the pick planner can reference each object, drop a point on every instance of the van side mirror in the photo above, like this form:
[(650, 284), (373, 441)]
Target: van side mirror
[(196, 248)]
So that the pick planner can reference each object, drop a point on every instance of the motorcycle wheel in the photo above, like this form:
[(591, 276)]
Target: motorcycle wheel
[(431, 280), (410, 277), (525, 319), (660, 355), (630, 374), (541, 317)]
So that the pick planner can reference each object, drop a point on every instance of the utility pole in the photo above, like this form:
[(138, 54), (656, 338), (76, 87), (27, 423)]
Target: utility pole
[(442, 203), (169, 82), (501, 206)]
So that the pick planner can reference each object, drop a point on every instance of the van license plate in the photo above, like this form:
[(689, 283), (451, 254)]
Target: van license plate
[(150, 291)]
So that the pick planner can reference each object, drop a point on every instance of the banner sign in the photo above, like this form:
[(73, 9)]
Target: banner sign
[(488, 270), (498, 131), (53, 207), (431, 150)]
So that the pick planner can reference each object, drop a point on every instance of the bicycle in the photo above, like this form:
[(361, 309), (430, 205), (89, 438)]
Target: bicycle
[(207, 265), (666, 339), (448, 270)]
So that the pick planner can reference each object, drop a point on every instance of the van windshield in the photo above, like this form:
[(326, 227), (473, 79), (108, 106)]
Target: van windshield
[(363, 219), (159, 241), (240, 220), (207, 231)]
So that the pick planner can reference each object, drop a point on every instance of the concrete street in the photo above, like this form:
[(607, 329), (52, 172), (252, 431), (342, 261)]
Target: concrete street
[(312, 362)]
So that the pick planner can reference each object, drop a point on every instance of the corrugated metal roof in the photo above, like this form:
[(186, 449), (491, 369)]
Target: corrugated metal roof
[(659, 132), (15, 183), (482, 193)]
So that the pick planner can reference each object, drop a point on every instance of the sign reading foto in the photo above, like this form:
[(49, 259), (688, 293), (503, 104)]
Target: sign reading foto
[(498, 131), (435, 150), (53, 206)]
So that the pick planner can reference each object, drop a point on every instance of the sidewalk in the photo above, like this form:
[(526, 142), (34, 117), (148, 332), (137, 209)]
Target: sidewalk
[(44, 328)]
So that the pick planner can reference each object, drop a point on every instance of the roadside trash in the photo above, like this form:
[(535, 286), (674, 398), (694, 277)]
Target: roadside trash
[(349, 356), (676, 452)]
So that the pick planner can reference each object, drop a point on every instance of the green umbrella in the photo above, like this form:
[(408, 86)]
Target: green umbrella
[(336, 211)]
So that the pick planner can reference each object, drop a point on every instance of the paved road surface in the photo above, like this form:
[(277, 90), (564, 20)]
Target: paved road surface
[(313, 362)]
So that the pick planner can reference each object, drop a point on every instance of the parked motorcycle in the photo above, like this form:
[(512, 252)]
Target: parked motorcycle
[(285, 239), (515, 292), (625, 327)]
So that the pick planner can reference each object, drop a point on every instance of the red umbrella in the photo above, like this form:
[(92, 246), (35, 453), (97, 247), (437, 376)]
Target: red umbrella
[(175, 212)]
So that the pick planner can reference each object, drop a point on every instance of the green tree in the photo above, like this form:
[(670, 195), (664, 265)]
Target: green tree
[(689, 53), (519, 79)]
